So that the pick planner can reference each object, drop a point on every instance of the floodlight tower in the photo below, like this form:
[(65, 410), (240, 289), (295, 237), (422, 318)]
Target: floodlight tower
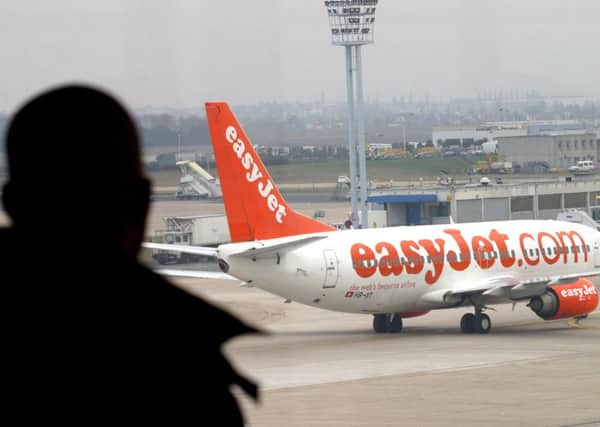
[(353, 25)]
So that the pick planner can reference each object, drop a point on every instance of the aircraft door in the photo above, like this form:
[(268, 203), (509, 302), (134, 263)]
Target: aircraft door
[(596, 250), (331, 269)]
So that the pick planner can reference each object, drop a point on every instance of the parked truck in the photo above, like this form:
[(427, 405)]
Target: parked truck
[(490, 166)]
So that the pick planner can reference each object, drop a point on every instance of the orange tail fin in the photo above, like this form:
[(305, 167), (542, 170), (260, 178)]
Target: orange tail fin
[(254, 206)]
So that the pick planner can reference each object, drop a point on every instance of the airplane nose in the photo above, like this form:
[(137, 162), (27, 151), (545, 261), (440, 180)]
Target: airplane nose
[(223, 265)]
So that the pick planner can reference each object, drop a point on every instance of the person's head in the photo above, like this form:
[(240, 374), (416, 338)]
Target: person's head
[(75, 170)]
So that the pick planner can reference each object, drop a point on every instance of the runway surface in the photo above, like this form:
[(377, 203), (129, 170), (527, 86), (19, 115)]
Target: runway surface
[(322, 368)]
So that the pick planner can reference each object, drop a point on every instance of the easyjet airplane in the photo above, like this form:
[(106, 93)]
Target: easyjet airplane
[(397, 272)]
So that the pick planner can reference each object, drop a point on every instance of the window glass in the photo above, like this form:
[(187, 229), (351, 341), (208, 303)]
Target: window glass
[(454, 90)]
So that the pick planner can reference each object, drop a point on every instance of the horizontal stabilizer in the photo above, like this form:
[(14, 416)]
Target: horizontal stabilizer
[(262, 249), (195, 274), (188, 249)]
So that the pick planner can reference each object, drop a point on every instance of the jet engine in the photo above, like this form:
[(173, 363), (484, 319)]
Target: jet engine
[(564, 301)]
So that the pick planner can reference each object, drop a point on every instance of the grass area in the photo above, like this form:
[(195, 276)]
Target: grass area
[(165, 178), (327, 172), (379, 170)]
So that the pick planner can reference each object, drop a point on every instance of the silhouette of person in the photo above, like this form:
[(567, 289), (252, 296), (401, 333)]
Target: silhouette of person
[(90, 333)]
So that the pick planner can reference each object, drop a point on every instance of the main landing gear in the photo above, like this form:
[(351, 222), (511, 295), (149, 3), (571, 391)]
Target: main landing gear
[(478, 323), (389, 322)]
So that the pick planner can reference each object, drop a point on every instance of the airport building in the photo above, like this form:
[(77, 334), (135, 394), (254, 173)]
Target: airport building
[(467, 134), (559, 149), (492, 202)]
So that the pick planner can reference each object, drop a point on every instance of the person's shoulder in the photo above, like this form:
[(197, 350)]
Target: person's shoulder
[(157, 291), (8, 243), (6, 234)]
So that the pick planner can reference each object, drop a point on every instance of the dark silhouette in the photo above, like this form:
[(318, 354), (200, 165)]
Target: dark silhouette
[(90, 333)]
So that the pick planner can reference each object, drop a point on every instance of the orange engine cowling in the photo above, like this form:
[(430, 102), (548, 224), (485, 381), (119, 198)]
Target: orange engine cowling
[(563, 301)]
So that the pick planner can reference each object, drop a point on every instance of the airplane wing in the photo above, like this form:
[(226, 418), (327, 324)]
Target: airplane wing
[(506, 286), (196, 250)]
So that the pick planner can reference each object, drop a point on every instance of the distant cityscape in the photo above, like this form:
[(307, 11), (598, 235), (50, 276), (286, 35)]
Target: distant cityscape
[(403, 122)]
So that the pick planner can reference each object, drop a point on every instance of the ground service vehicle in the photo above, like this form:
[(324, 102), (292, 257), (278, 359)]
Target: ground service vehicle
[(583, 167)]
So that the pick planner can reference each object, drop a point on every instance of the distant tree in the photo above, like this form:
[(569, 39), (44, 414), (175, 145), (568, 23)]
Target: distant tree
[(162, 130), (159, 136), (194, 131)]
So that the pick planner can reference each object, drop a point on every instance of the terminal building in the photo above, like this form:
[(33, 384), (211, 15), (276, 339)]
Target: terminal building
[(493, 202)]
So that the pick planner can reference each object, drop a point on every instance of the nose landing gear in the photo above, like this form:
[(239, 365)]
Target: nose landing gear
[(389, 322), (478, 323)]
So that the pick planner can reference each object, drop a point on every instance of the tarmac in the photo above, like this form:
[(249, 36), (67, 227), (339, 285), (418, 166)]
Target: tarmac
[(323, 368)]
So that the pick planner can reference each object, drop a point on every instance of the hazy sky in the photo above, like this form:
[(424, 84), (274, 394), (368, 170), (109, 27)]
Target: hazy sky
[(181, 53)]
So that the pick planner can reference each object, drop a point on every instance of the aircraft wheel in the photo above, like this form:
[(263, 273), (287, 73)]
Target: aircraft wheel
[(467, 323), (482, 323), (395, 325), (380, 323)]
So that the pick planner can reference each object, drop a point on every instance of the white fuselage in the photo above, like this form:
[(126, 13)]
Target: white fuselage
[(389, 270)]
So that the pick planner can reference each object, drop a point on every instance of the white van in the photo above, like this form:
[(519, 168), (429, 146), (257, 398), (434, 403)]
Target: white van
[(583, 167)]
